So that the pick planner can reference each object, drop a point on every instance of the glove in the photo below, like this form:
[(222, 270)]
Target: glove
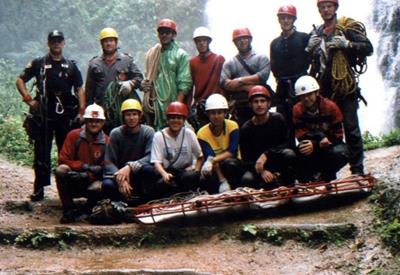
[(338, 42), (146, 85), (126, 87), (313, 42), (95, 169), (135, 166), (206, 169), (76, 176), (224, 186)]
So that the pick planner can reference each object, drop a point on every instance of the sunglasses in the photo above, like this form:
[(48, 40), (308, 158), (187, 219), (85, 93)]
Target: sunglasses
[(164, 31)]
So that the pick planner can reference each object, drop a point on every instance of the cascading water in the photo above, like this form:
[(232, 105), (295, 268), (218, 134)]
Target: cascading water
[(260, 17), (386, 21)]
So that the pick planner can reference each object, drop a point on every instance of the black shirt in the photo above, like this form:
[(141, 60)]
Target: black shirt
[(257, 139), (59, 78), (288, 55)]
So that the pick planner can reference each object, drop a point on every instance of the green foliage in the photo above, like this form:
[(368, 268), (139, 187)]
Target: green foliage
[(272, 235), (41, 239), (14, 142), (10, 102), (393, 138), (250, 229), (372, 142), (25, 25), (387, 214), (15, 145)]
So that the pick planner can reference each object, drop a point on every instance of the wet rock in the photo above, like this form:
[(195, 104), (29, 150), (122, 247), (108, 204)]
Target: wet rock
[(21, 206)]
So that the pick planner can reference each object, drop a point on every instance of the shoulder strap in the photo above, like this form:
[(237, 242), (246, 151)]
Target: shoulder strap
[(169, 157), (244, 64)]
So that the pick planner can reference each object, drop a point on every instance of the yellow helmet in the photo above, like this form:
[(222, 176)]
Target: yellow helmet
[(131, 104), (107, 33)]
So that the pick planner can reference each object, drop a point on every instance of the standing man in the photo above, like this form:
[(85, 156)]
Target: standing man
[(206, 71), (167, 75), (339, 48), (128, 151), (54, 106), (242, 72), (111, 78), (318, 128), (79, 173), (289, 61), (264, 145)]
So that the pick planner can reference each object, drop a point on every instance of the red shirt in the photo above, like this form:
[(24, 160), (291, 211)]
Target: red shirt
[(205, 75), (327, 122), (77, 150)]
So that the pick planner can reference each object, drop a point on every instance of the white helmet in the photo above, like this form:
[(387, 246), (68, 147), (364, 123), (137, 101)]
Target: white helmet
[(94, 111), (216, 102), (202, 32), (306, 84)]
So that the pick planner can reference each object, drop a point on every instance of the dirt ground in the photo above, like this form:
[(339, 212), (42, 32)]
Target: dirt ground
[(213, 255)]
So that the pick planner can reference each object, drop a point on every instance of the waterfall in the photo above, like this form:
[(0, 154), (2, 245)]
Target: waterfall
[(386, 21), (260, 16)]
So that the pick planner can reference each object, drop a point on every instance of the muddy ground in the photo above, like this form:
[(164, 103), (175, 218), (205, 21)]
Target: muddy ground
[(220, 249)]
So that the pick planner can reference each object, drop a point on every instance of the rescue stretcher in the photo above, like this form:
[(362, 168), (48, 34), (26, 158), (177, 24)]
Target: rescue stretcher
[(249, 198)]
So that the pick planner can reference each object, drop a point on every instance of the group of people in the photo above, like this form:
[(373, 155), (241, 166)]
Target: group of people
[(202, 122)]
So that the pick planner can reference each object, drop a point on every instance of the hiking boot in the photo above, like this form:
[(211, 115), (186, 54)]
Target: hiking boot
[(95, 186), (68, 217), (224, 186), (37, 195)]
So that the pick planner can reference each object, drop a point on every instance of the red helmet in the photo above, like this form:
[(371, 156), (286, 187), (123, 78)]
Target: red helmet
[(242, 32), (177, 108), (259, 90), (167, 23), (336, 2), (288, 9)]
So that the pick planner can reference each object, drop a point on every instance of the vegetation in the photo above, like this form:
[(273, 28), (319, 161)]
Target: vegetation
[(312, 236), (25, 25), (387, 217), (373, 142), (386, 204), (38, 239)]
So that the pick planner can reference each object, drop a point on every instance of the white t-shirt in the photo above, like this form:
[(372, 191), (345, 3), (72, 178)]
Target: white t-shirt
[(190, 151)]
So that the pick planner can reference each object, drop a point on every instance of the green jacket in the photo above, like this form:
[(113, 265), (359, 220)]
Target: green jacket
[(173, 75)]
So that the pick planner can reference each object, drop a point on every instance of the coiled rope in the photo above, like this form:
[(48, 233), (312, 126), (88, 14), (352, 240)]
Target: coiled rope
[(344, 77)]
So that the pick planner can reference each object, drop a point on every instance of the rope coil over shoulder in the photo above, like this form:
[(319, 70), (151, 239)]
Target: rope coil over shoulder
[(344, 76), (152, 60)]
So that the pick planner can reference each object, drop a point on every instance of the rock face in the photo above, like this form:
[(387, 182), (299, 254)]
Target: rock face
[(386, 21)]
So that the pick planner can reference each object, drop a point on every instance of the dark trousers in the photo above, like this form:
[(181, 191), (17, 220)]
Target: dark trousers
[(326, 161), (69, 189), (232, 169), (352, 132), (110, 189), (197, 115), (239, 106), (155, 187), (281, 163), (285, 101), (42, 150)]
